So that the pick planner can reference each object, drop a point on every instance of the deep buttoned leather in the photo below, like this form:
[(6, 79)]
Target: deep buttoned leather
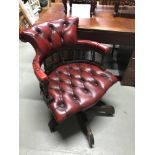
[(76, 87), (51, 35)]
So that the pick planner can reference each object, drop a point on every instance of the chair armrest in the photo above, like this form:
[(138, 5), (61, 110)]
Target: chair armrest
[(95, 44), (41, 75)]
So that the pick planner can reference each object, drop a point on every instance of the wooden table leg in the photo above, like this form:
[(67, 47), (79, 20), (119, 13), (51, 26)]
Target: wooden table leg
[(92, 7)]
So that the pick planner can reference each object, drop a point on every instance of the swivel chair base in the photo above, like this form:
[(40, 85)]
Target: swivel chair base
[(106, 110)]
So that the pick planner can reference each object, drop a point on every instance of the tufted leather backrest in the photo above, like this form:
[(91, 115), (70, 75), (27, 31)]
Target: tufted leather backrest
[(51, 35)]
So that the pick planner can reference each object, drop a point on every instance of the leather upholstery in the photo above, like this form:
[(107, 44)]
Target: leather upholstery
[(47, 37), (51, 35), (76, 87)]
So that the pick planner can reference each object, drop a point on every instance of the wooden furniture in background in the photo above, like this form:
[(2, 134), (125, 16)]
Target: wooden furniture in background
[(92, 3), (49, 3), (129, 75), (106, 2), (23, 21), (26, 16), (125, 8), (28, 13), (35, 5), (115, 38), (123, 3)]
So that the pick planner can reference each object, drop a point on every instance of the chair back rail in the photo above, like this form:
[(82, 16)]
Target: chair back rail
[(76, 54)]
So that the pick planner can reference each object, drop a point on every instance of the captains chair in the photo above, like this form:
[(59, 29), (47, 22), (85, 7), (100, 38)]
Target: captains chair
[(93, 4), (70, 72)]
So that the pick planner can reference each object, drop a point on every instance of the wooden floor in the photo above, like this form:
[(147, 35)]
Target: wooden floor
[(103, 20)]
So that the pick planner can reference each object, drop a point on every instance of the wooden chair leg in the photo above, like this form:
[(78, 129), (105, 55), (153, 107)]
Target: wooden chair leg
[(107, 110), (85, 128)]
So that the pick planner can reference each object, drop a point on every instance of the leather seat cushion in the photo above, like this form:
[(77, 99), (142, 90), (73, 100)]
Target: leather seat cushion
[(76, 87)]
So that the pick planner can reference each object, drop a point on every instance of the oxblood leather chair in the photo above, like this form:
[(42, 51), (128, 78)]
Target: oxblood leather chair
[(72, 79)]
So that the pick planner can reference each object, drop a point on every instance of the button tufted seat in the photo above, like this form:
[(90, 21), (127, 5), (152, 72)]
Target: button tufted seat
[(76, 87), (70, 71)]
